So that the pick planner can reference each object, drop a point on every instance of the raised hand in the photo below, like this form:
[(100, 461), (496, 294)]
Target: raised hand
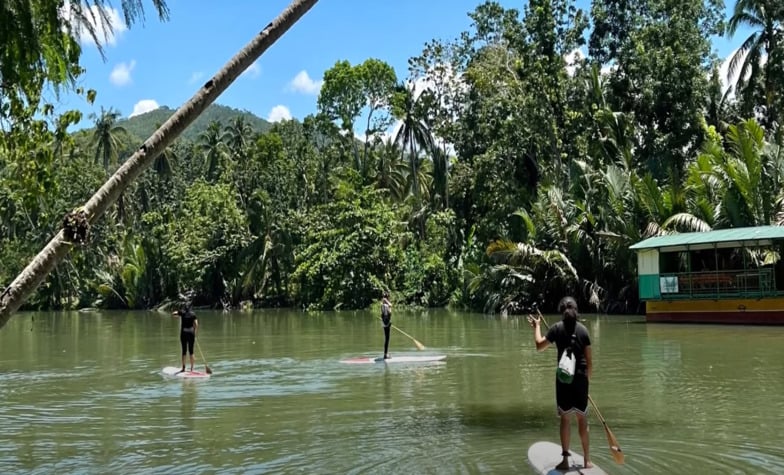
[(534, 321)]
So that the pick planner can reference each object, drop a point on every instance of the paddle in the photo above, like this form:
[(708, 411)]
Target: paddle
[(207, 369), (615, 447), (419, 345)]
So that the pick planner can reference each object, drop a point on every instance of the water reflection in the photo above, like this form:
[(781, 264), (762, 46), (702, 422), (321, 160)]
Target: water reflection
[(388, 377), (188, 399)]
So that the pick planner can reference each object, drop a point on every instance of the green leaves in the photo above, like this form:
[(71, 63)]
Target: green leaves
[(347, 92), (40, 41), (204, 242), (347, 255)]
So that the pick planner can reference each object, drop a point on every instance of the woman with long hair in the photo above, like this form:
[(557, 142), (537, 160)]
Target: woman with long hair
[(571, 397)]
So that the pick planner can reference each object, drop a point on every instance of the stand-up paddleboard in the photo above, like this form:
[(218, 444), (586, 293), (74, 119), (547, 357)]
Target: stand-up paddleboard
[(395, 359), (544, 456), (174, 372)]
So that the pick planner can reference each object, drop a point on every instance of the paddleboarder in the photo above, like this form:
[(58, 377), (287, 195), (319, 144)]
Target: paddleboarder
[(386, 320), (571, 398), (189, 325)]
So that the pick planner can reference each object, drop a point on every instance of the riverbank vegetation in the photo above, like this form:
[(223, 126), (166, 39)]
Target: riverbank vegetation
[(512, 164)]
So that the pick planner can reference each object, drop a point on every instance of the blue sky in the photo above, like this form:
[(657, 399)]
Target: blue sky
[(164, 63)]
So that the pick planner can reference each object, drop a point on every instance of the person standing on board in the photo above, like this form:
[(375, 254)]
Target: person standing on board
[(570, 397), (189, 325), (386, 320)]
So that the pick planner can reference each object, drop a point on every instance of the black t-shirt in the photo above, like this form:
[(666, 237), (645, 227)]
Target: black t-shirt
[(557, 334), (187, 319)]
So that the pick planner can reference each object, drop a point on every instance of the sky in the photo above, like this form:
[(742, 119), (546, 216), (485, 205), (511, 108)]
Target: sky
[(164, 63)]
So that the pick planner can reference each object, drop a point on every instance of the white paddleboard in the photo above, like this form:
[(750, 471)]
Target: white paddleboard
[(394, 359), (544, 456), (174, 372)]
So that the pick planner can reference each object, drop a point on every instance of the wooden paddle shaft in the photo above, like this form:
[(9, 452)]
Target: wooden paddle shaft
[(416, 342)]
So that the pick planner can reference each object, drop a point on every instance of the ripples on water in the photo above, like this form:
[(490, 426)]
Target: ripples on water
[(680, 400)]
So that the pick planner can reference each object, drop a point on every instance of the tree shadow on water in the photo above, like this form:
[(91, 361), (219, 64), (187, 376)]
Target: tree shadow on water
[(511, 418)]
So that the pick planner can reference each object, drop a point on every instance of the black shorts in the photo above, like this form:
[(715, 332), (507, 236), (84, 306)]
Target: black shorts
[(572, 397), (186, 341)]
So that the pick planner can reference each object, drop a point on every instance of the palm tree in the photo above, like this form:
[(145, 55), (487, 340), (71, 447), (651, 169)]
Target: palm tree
[(212, 143), (58, 247), (614, 130), (92, 16), (321, 132), (390, 171), (413, 132), (523, 271), (105, 138), (766, 17), (238, 134), (734, 185), (440, 177), (720, 108), (39, 40)]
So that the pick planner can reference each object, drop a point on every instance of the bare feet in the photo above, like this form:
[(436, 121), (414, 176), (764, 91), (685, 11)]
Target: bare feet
[(587, 464)]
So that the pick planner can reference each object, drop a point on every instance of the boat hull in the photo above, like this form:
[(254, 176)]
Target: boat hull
[(763, 311)]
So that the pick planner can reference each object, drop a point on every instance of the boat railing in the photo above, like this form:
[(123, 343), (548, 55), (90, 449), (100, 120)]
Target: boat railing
[(718, 284)]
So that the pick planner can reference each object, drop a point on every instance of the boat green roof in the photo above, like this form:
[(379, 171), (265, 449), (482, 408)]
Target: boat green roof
[(723, 238)]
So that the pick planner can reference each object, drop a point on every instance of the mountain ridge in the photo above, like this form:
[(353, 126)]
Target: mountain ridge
[(143, 125)]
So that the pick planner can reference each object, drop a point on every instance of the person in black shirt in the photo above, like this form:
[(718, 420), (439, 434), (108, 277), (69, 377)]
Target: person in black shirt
[(189, 325), (570, 397), (386, 320)]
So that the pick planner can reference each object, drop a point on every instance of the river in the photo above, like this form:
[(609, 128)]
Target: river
[(82, 393)]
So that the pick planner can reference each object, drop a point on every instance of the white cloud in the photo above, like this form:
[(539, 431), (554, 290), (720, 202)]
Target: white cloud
[(145, 105), (195, 77), (728, 82), (303, 83), (107, 28), (254, 70), (279, 113), (121, 74)]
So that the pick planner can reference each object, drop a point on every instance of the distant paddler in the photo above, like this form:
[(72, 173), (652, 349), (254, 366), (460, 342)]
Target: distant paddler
[(386, 321), (189, 326)]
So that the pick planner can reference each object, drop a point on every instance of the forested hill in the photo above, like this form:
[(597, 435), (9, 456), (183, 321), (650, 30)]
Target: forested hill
[(143, 125)]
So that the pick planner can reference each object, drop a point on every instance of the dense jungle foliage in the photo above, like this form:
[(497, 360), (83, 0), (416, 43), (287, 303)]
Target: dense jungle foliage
[(516, 169)]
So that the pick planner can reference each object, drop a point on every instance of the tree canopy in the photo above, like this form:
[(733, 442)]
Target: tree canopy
[(509, 165)]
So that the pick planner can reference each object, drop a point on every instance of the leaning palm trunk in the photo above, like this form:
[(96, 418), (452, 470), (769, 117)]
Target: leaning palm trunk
[(32, 276)]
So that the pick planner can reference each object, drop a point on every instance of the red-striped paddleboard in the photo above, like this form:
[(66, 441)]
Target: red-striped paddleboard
[(395, 359), (175, 372)]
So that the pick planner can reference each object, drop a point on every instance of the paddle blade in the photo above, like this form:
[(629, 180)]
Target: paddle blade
[(207, 369), (615, 447), (419, 346)]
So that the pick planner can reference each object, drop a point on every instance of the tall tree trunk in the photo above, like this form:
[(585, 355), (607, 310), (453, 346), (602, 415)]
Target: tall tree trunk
[(35, 272)]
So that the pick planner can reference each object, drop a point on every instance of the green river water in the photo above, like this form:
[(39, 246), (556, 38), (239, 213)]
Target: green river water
[(82, 393)]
